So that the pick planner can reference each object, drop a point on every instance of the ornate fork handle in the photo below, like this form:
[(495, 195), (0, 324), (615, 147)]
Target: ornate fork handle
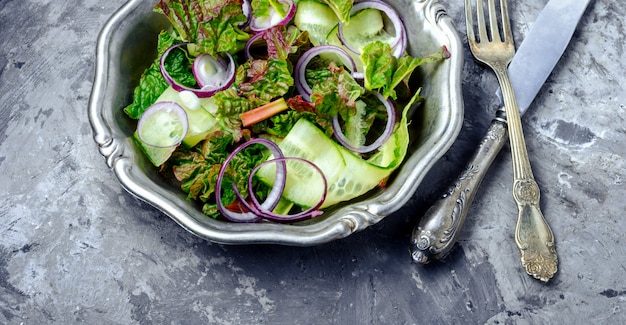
[(437, 231), (495, 48), (533, 235)]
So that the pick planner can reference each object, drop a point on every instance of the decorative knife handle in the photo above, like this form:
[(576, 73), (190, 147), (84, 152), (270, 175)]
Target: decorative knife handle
[(438, 229)]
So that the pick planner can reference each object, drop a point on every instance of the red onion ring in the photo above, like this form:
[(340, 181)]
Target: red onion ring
[(272, 198), (400, 48), (391, 121), (257, 26), (300, 69), (157, 108), (211, 81), (202, 92), (267, 213), (252, 41), (400, 40), (246, 9)]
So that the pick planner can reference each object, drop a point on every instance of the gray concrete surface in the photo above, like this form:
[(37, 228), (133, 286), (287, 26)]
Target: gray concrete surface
[(76, 248)]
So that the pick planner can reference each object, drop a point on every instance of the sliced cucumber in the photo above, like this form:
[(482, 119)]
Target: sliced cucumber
[(283, 207), (364, 27), (356, 176), (360, 176), (357, 179), (348, 176), (160, 130), (164, 124), (201, 122), (317, 18), (303, 186), (156, 155)]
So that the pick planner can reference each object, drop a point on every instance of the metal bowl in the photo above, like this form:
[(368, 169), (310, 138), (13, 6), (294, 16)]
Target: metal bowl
[(127, 45)]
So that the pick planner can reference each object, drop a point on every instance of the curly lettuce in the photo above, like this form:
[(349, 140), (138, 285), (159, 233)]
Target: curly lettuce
[(152, 84), (198, 168), (384, 72), (211, 25)]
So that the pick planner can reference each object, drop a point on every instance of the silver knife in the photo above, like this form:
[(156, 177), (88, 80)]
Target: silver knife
[(437, 231)]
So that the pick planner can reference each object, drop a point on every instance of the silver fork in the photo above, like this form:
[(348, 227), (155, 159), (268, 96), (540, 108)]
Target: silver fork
[(495, 48)]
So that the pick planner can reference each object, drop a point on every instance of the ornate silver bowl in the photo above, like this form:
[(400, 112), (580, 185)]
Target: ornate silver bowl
[(127, 45)]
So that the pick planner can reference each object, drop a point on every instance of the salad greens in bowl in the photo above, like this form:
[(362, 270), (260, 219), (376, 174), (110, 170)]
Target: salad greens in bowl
[(292, 122)]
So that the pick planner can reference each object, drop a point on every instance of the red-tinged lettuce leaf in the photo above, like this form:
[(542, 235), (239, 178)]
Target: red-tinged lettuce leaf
[(213, 25), (266, 79), (283, 42), (307, 110), (298, 103), (336, 94), (197, 169)]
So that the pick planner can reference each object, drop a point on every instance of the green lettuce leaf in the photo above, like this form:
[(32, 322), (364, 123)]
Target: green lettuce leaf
[(230, 103), (379, 65), (178, 65), (341, 8), (279, 125), (384, 72), (151, 83), (336, 94), (258, 83), (266, 79), (262, 9), (211, 25), (391, 154), (198, 168)]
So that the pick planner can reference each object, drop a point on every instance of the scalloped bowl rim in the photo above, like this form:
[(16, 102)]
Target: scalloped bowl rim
[(119, 153)]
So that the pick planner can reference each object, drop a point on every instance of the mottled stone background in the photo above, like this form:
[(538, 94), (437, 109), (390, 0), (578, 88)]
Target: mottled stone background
[(76, 248)]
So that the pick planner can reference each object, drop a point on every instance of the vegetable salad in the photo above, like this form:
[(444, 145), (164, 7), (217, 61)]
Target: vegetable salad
[(277, 109)]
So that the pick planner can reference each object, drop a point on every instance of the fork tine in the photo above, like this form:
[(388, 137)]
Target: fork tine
[(469, 22), (480, 18), (493, 21), (506, 23)]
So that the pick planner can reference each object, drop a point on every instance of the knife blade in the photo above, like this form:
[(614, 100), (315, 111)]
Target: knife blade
[(435, 234), (547, 40)]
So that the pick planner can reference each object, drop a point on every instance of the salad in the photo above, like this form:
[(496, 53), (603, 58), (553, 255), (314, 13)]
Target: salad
[(277, 109)]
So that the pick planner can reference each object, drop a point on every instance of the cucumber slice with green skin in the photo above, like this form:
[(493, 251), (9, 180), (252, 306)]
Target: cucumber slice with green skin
[(360, 176), (317, 18), (160, 130), (157, 143), (348, 176), (351, 176), (201, 121), (156, 155), (164, 124), (304, 186), (365, 26), (283, 207), (357, 179)]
